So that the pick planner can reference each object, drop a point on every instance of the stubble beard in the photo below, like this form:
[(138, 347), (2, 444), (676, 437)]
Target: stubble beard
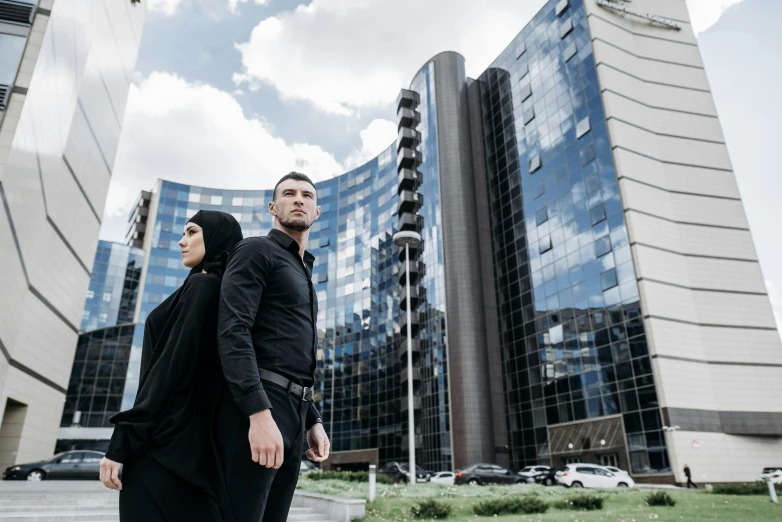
[(297, 224)]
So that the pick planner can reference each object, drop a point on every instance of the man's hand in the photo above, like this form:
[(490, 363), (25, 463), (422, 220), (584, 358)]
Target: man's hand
[(318, 443), (265, 440), (109, 473)]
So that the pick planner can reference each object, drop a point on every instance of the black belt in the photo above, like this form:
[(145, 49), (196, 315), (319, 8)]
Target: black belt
[(300, 392)]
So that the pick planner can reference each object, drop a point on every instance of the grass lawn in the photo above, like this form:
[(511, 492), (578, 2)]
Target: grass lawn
[(393, 503)]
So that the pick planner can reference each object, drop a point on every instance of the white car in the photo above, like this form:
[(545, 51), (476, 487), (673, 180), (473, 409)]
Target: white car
[(533, 471), (591, 476), (615, 470), (444, 477), (775, 474)]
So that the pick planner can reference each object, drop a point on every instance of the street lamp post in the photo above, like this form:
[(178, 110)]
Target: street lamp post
[(407, 238)]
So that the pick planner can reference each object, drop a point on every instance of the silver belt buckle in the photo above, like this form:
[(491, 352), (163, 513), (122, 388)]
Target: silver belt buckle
[(306, 394)]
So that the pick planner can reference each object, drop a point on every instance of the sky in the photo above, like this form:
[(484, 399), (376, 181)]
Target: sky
[(235, 93)]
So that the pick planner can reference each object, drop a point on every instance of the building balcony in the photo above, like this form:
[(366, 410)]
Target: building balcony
[(408, 179), (419, 442), (407, 158), (417, 406), (417, 295), (416, 376), (415, 324), (407, 138), (417, 271), (409, 202), (407, 118), (411, 222), (407, 99), (415, 349), (414, 252)]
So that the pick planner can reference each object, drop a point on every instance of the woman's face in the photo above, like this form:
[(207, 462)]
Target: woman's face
[(192, 244)]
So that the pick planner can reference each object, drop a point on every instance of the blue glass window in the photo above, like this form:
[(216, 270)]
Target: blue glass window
[(598, 214), (608, 279)]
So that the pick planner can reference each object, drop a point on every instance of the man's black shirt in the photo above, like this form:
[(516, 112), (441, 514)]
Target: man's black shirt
[(268, 311)]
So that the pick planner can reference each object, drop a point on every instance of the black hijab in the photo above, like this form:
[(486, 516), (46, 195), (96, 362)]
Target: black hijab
[(221, 232)]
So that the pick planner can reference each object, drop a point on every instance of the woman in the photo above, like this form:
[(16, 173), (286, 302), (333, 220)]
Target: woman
[(164, 443)]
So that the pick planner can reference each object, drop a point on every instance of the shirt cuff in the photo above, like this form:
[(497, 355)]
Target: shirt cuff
[(313, 417), (254, 402)]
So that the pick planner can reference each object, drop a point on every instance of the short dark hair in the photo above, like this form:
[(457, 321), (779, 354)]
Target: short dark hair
[(298, 176)]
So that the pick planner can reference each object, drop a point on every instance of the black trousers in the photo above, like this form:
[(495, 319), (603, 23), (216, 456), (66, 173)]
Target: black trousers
[(690, 482), (257, 493)]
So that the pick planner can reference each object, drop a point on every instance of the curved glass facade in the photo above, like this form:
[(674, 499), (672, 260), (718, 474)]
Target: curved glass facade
[(570, 325), (356, 279), (111, 298)]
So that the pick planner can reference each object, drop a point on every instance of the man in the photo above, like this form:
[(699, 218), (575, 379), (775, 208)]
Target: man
[(267, 339), (688, 473)]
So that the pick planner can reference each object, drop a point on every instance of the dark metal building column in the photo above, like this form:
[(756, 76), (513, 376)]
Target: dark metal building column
[(468, 361)]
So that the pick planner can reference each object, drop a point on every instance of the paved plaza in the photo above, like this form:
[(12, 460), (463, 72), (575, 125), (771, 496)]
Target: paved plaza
[(65, 501)]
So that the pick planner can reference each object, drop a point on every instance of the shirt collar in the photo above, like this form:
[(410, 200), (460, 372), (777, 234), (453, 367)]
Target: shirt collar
[(288, 243)]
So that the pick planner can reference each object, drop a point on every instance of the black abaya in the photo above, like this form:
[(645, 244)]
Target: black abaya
[(165, 442)]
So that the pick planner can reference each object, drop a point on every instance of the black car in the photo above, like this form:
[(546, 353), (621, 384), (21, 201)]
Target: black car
[(550, 477), (73, 465), (399, 472), (479, 474)]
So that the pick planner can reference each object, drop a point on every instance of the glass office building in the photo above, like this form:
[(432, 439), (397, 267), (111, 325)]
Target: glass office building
[(111, 298), (572, 336), (102, 380), (356, 273), (584, 257)]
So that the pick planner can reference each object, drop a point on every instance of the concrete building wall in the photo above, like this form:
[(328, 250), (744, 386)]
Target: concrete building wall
[(717, 353), (57, 145)]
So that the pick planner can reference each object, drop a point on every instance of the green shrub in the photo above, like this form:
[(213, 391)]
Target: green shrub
[(510, 505), (581, 503), (758, 488), (350, 476), (660, 498), (532, 504), (430, 508)]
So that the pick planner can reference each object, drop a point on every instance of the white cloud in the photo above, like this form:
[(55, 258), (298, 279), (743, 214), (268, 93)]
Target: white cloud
[(705, 13), (167, 7), (233, 5), (376, 138), (344, 55), (196, 134)]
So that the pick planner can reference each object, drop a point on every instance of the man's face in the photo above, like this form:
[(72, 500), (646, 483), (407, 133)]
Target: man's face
[(296, 205)]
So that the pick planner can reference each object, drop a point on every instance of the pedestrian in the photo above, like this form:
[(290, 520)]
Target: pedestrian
[(164, 444), (688, 473), (267, 338)]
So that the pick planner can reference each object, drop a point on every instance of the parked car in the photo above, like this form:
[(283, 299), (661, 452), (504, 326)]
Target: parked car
[(591, 476), (444, 477), (533, 471), (479, 474), (399, 472), (615, 470), (550, 477), (306, 466), (775, 474), (71, 465)]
